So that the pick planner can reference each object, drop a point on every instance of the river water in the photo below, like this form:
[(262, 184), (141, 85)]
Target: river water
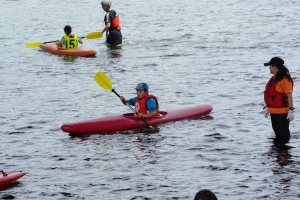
[(194, 52)]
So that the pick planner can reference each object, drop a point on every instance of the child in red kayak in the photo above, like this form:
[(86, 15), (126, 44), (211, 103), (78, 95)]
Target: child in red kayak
[(69, 41), (146, 105)]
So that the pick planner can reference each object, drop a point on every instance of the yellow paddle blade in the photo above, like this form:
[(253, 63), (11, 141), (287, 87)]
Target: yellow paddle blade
[(94, 35), (103, 81), (34, 44)]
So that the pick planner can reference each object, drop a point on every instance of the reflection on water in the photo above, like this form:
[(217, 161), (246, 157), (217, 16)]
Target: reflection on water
[(285, 172), (114, 47), (204, 117), (282, 154), (10, 186), (143, 142), (114, 52), (143, 130), (69, 59), (146, 143)]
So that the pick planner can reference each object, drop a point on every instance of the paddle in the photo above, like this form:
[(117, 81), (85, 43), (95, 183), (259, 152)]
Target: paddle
[(92, 35), (106, 84), (4, 174)]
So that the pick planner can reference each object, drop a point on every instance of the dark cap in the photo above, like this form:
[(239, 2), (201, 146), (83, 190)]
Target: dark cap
[(276, 61), (68, 28)]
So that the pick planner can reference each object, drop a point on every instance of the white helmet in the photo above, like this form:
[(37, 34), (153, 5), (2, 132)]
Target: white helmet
[(106, 3)]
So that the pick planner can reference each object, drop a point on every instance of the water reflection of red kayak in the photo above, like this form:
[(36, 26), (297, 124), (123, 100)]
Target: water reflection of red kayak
[(10, 176), (129, 121), (84, 52)]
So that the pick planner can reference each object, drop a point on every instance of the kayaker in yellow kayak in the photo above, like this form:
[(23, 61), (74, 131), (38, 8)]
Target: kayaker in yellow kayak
[(145, 104), (69, 40)]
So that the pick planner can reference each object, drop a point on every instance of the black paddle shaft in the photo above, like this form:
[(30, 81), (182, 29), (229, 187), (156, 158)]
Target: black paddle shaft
[(113, 90), (124, 102), (49, 42), (4, 174)]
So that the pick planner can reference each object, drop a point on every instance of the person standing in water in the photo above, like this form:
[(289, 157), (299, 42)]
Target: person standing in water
[(279, 100), (69, 40), (112, 25)]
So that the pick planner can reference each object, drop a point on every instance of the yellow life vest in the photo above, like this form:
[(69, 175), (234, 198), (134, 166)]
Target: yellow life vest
[(71, 41)]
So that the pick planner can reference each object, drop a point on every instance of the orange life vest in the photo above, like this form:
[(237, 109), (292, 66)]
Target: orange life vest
[(273, 98), (115, 22)]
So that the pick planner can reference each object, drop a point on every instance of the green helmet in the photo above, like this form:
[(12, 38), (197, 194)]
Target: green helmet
[(106, 3)]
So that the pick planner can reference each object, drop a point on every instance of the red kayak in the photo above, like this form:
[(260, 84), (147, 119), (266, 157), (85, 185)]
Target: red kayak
[(53, 48), (10, 176), (130, 121)]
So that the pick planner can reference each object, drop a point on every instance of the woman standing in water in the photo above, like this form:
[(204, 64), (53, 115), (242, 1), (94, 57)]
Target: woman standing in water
[(279, 100)]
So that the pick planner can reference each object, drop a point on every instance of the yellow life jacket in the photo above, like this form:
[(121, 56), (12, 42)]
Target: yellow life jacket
[(71, 41)]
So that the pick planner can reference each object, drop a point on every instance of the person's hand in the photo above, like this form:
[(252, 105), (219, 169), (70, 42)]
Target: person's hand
[(123, 100), (267, 112), (140, 115), (58, 43), (290, 115)]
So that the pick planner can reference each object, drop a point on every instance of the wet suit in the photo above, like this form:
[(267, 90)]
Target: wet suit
[(113, 36)]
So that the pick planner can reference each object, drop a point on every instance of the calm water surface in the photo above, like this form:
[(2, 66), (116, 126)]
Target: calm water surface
[(195, 52)]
